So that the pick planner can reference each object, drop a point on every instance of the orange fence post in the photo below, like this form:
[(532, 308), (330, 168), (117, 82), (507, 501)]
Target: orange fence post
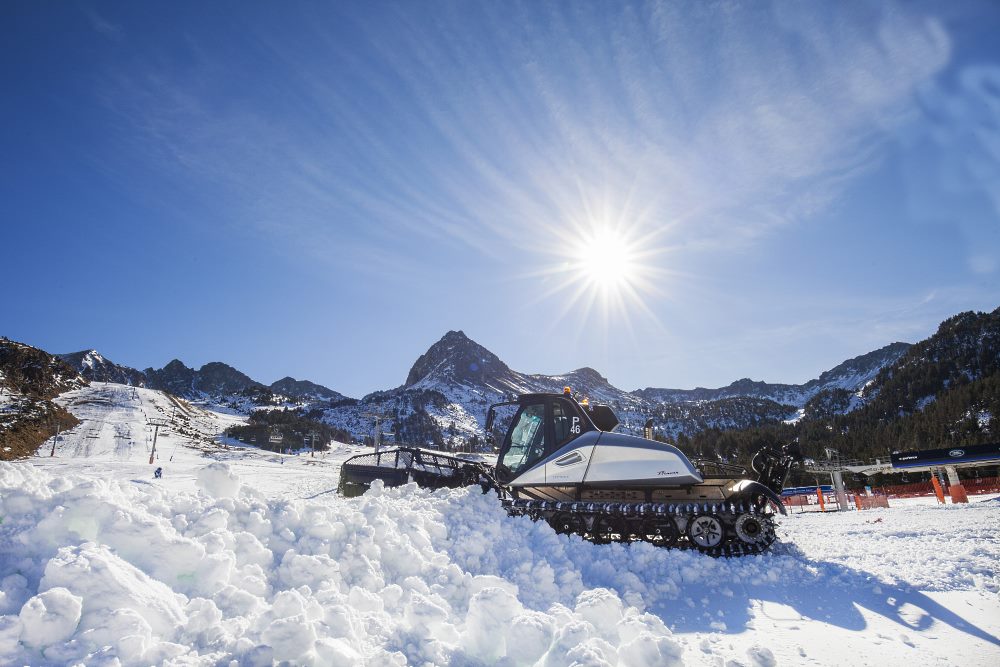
[(957, 493), (819, 495), (937, 489)]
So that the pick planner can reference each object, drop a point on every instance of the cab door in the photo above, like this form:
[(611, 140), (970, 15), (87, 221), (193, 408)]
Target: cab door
[(573, 440), (525, 445)]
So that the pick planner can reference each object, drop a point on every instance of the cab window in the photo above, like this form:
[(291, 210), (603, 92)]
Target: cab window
[(562, 420), (527, 440)]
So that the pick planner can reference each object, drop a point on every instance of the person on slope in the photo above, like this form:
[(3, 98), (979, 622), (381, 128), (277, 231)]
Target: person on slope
[(158, 473)]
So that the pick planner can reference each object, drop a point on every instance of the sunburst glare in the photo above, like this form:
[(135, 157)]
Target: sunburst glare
[(605, 260), (608, 268)]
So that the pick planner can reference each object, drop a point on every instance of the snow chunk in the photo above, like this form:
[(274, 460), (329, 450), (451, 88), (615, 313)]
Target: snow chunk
[(218, 480), (649, 649), (50, 617)]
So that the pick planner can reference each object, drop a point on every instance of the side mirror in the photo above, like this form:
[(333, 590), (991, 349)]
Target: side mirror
[(490, 416)]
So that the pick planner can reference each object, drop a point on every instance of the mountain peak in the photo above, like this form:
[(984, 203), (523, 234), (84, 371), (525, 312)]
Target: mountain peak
[(456, 337), (93, 366), (176, 365), (588, 375), (220, 378), (455, 357)]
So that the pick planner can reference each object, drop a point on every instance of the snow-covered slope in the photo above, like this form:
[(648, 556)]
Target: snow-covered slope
[(235, 555)]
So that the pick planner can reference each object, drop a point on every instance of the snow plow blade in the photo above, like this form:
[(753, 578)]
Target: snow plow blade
[(401, 465)]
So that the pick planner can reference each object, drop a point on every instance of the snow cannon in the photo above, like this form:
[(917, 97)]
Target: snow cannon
[(562, 462)]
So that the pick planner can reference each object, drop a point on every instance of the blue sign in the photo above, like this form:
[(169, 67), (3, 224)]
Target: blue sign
[(806, 490)]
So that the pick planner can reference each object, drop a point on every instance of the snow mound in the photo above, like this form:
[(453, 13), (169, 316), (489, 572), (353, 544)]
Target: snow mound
[(107, 571), (119, 571)]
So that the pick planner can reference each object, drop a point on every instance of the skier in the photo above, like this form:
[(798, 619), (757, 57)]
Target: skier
[(158, 473)]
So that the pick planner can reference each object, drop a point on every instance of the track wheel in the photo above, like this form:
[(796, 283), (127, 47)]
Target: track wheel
[(609, 529), (661, 531), (567, 523), (705, 531), (754, 530)]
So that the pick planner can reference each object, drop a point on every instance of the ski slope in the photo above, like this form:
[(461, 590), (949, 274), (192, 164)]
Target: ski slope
[(238, 556)]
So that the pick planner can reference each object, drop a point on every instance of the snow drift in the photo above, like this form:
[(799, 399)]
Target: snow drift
[(127, 571)]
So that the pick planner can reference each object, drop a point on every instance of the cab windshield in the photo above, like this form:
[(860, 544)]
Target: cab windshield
[(527, 439)]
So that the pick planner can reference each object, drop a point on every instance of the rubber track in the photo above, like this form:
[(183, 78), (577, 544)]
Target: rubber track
[(727, 513)]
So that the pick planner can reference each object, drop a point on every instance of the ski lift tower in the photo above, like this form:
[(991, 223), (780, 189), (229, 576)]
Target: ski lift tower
[(156, 424), (378, 427), (55, 438), (835, 466)]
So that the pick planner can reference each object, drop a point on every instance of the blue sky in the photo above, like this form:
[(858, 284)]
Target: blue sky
[(324, 189)]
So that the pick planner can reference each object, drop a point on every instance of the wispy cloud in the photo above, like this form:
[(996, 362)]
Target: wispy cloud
[(495, 126), (953, 170)]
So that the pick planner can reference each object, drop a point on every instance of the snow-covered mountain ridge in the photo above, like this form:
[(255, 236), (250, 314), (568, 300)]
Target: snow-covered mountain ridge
[(448, 388), (215, 382), (92, 365), (850, 375)]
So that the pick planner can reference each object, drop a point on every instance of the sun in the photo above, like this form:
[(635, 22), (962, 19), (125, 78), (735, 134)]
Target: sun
[(606, 261), (608, 269), (603, 265)]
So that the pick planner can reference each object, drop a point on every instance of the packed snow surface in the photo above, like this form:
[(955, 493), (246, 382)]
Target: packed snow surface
[(251, 558)]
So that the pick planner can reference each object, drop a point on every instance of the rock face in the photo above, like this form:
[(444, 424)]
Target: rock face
[(458, 359), (29, 379), (28, 371), (175, 378), (219, 378), (212, 379), (305, 390)]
